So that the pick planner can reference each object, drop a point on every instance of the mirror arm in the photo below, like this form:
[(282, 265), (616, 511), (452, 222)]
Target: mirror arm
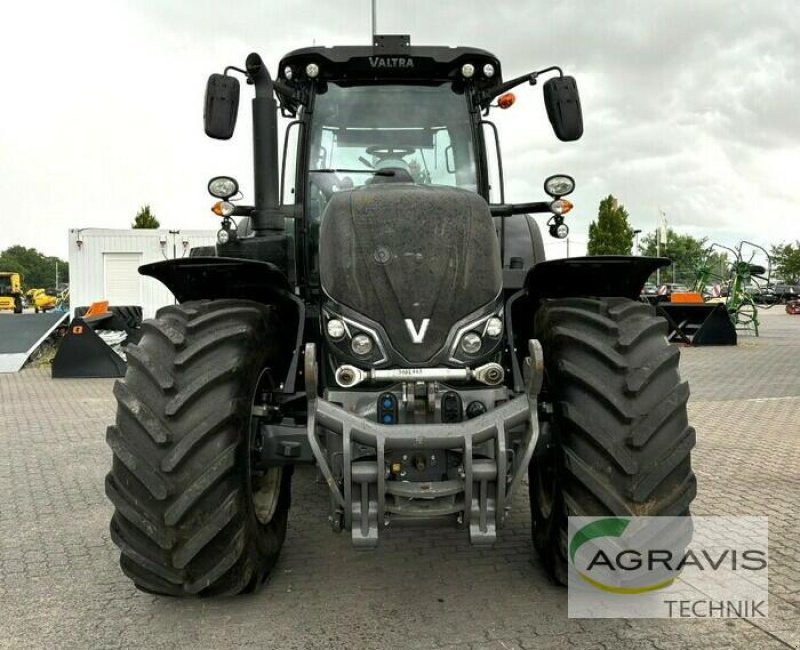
[(488, 95), (531, 78), (233, 67), (280, 87), (508, 209), (535, 75), (292, 211)]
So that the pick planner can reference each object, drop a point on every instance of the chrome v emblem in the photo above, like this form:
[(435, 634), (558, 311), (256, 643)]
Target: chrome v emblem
[(417, 336)]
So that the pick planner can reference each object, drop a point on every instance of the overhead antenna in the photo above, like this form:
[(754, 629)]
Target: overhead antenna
[(374, 20)]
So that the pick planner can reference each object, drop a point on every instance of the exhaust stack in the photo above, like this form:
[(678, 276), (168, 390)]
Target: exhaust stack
[(267, 215)]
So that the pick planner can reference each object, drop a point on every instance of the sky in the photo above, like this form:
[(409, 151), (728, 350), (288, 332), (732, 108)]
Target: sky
[(690, 107)]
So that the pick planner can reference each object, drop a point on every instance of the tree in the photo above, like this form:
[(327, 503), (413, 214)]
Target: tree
[(687, 254), (145, 219), (611, 234), (786, 258), (38, 270)]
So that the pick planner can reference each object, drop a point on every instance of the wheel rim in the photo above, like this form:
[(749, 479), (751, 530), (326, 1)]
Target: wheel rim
[(264, 485), (266, 493)]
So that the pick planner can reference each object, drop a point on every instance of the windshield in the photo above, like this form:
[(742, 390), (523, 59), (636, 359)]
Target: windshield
[(388, 133)]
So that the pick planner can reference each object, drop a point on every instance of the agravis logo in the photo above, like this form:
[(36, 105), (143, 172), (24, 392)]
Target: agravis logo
[(667, 566)]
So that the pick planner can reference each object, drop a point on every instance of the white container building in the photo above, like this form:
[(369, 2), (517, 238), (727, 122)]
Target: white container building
[(103, 264)]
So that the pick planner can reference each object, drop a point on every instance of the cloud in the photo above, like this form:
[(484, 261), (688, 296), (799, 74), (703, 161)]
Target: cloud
[(689, 107)]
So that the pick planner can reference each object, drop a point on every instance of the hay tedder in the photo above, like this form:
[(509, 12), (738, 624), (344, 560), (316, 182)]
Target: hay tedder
[(742, 281), (695, 319)]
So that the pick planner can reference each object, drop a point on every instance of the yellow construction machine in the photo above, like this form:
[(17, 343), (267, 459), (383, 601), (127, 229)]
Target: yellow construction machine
[(11, 291), (41, 300)]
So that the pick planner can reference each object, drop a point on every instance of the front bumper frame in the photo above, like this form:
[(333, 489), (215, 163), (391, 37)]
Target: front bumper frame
[(482, 496)]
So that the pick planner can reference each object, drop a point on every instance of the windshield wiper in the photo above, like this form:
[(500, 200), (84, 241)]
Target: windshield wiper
[(375, 172)]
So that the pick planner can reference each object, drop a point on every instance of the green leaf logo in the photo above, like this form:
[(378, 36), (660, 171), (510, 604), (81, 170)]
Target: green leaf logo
[(608, 527)]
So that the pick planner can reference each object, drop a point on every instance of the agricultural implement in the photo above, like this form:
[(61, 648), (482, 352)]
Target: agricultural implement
[(96, 341), (742, 281)]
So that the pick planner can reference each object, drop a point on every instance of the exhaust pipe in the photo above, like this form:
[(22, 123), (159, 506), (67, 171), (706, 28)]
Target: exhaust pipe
[(267, 215)]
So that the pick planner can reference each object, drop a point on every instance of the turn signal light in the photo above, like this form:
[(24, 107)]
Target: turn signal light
[(561, 206), (222, 208), (507, 100)]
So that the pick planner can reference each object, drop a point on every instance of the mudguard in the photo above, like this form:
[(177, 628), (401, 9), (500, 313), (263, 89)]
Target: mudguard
[(599, 276), (217, 278), (213, 278)]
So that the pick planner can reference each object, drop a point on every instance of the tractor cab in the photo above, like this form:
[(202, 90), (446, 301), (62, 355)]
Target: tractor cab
[(387, 133), (390, 113), (385, 114)]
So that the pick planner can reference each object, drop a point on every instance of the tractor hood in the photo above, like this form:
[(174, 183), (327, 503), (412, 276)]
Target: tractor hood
[(415, 259)]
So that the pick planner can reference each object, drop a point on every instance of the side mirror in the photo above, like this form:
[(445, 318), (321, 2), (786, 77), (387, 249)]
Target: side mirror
[(221, 106), (564, 108)]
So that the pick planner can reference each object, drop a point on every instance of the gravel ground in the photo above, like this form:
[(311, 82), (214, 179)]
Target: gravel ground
[(61, 587)]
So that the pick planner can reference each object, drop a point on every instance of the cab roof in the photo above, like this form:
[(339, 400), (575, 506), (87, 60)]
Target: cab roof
[(391, 58)]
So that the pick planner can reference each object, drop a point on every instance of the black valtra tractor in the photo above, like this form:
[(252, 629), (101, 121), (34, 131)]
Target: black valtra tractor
[(395, 323)]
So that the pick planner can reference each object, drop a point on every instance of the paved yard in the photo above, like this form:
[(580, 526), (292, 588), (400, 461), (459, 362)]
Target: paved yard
[(60, 586)]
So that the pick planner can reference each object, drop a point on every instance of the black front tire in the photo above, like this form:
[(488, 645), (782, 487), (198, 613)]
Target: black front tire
[(620, 440), (182, 480)]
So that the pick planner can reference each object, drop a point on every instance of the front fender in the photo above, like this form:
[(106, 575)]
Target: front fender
[(219, 278), (599, 276), (214, 278)]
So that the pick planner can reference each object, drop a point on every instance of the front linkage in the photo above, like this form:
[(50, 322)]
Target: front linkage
[(493, 452)]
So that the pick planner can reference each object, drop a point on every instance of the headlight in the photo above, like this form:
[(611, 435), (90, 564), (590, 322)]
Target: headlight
[(471, 343), (478, 338), (351, 340), (494, 327), (361, 344), (559, 185), (467, 70), (336, 329), (223, 187), (312, 70), (488, 70), (223, 236), (559, 230)]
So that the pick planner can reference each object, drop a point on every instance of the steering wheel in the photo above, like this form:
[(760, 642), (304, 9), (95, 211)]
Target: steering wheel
[(389, 151), (327, 182)]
